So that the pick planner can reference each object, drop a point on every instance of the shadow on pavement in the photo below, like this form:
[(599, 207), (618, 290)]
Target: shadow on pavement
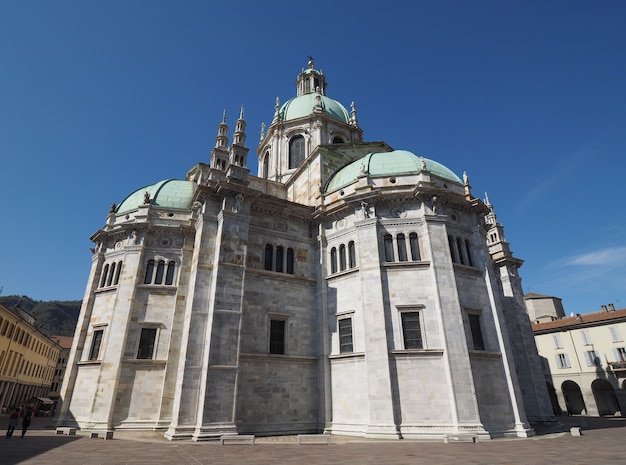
[(564, 423)]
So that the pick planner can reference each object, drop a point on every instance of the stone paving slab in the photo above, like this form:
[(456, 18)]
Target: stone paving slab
[(602, 444)]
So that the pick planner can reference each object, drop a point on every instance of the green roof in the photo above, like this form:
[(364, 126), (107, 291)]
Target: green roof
[(388, 163), (170, 193), (302, 106)]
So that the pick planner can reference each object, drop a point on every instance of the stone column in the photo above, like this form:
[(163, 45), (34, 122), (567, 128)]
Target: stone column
[(218, 392), (187, 403), (381, 415), (457, 366)]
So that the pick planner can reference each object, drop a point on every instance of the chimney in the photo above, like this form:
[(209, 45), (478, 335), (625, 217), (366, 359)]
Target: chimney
[(611, 308), (604, 308)]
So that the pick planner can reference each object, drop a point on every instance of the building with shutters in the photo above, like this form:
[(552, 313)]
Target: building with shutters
[(584, 360)]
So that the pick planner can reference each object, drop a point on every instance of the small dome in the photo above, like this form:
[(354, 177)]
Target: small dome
[(302, 106), (170, 193), (388, 163)]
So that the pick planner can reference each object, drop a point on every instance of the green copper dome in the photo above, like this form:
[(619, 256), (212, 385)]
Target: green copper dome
[(388, 163), (302, 106), (170, 193)]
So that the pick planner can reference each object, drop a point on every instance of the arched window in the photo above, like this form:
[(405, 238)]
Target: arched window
[(453, 253), (149, 272), (468, 252), (460, 248), (388, 242), (401, 248), (337, 140), (415, 248), (342, 257), (279, 258), (351, 255), (333, 260), (266, 165), (169, 276), (290, 260), (105, 273), (296, 151), (111, 273), (118, 270), (159, 272), (269, 256)]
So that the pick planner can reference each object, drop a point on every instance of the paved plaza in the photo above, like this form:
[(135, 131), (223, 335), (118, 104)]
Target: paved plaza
[(602, 443)]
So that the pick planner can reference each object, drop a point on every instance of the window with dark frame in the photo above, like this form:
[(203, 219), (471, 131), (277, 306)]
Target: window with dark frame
[(333, 260), (388, 244), (279, 258), (290, 260), (169, 275), (477, 334), (342, 257), (351, 255), (415, 250), (277, 336), (159, 273), (269, 257), (411, 330), (96, 342), (147, 340), (401, 241), (345, 335), (149, 272), (296, 151)]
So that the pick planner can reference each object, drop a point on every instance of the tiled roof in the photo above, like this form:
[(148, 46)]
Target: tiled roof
[(64, 341), (588, 319)]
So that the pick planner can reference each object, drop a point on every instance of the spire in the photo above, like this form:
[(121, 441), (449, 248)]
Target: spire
[(490, 218), (498, 246), (219, 155), (276, 111), (353, 121), (239, 136), (222, 133), (238, 153)]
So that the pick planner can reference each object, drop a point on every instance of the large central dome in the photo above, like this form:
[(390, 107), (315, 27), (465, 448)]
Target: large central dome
[(304, 105)]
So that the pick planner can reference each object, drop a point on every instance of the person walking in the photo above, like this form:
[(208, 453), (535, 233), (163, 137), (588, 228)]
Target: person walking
[(13, 419), (26, 421)]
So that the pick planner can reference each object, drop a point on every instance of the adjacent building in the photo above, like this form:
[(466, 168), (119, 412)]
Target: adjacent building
[(65, 343), (585, 361), (27, 359), (350, 288)]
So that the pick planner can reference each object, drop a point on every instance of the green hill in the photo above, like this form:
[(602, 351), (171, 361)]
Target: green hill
[(56, 318)]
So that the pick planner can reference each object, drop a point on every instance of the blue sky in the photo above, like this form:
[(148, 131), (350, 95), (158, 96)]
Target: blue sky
[(98, 99)]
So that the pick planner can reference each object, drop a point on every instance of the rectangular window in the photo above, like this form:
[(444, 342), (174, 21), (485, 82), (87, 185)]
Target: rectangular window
[(411, 330), (586, 337), (615, 334), (620, 354), (562, 361), (591, 356), (477, 333), (345, 335), (96, 341), (147, 340), (277, 336), (557, 341)]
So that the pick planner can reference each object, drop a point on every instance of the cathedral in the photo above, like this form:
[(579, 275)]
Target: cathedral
[(349, 288)]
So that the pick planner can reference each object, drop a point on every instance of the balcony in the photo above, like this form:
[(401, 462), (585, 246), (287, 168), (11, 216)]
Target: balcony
[(618, 367)]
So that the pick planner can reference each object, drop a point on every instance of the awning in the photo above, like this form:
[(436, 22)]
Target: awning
[(45, 400)]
